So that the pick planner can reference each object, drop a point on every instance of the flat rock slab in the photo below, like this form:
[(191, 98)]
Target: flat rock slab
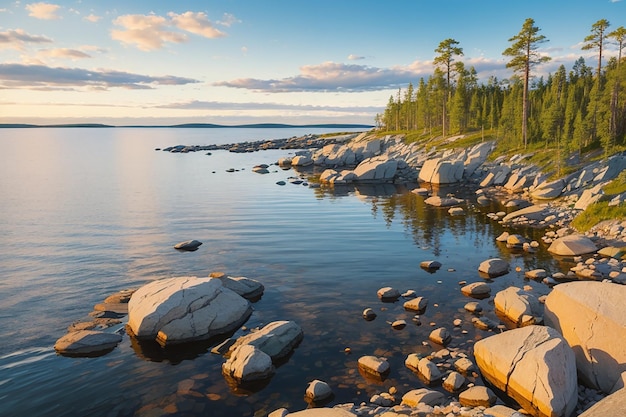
[(536, 212), (277, 339), (117, 308), (572, 245), (86, 343), (437, 201), (423, 396)]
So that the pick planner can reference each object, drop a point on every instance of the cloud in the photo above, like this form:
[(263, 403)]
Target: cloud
[(67, 53), (353, 57), (150, 32), (196, 23), (17, 38), (146, 32), (44, 11), (40, 77), (92, 18), (228, 20), (220, 105)]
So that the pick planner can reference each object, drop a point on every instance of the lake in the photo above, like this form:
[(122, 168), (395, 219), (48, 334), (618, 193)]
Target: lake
[(89, 212)]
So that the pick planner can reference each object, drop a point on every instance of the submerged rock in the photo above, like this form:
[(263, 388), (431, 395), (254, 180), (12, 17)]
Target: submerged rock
[(188, 245), (86, 343)]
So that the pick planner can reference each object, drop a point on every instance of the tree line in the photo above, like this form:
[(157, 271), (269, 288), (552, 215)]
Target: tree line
[(578, 109)]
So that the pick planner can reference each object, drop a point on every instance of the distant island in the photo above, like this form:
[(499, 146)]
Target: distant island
[(197, 125)]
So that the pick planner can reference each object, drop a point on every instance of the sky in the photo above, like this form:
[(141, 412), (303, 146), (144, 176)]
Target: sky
[(155, 62)]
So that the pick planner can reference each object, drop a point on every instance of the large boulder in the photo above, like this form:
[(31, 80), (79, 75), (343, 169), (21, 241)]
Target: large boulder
[(592, 318), (534, 366), (548, 190), (613, 405), (517, 305), (378, 168), (572, 245), (248, 363), (185, 309), (441, 171), (277, 339)]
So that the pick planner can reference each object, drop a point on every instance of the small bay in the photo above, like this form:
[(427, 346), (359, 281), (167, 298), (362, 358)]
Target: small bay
[(89, 212)]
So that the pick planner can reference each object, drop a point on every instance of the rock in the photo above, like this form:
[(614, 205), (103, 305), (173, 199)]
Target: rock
[(441, 171), (453, 382), (534, 366), (248, 363), (536, 274), (247, 288), (399, 324), (277, 339), (119, 297), (318, 391), (613, 252), (428, 370), (420, 191), (322, 412), (388, 294), (188, 245), (86, 343), (369, 314), (501, 411), (372, 365), (477, 396), (184, 309), (484, 323), (120, 309), (515, 241), (456, 211), (589, 196), (430, 265), (476, 290), (592, 318), (515, 303), (378, 168), (613, 405), (301, 160), (464, 365), (423, 396), (418, 304), (440, 336), (494, 267), (474, 306), (548, 190), (535, 212), (437, 201), (572, 245)]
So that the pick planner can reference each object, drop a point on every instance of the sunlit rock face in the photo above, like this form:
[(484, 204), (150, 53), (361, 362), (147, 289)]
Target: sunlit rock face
[(592, 318), (533, 365), (185, 309)]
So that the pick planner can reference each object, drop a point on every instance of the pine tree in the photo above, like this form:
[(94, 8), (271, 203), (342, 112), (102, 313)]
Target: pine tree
[(447, 50), (524, 56)]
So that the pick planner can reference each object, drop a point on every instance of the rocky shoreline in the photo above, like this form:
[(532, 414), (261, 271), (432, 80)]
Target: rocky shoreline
[(556, 355)]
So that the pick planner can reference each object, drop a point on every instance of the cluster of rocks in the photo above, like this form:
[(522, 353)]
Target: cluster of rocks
[(294, 142)]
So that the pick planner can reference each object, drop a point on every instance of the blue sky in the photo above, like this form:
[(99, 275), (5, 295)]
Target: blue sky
[(250, 61)]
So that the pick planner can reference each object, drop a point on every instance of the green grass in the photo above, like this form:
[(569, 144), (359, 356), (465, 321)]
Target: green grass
[(597, 213), (617, 186)]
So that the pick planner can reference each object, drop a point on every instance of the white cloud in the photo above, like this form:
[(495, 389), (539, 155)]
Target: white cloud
[(228, 20), (353, 57), (196, 23), (18, 38), (64, 53), (44, 11), (92, 18), (146, 32)]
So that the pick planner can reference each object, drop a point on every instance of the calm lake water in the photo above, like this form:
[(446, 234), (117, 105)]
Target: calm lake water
[(89, 212)]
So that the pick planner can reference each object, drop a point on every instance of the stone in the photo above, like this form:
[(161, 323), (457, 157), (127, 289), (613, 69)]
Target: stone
[(277, 339), (247, 363), (428, 370), (247, 288), (474, 306), (417, 304), (378, 168), (185, 309), (484, 323), (399, 324), (515, 303), (613, 252), (591, 316), (188, 245), (441, 171), (572, 245), (430, 265), (548, 190), (369, 314), (499, 410), (456, 211), (119, 297), (373, 365), (536, 274), (534, 212), (318, 391), (440, 336), (613, 405), (494, 267), (477, 396), (301, 160), (86, 343), (476, 290), (534, 366), (388, 294), (423, 396), (453, 382), (323, 412), (464, 365), (437, 201)]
